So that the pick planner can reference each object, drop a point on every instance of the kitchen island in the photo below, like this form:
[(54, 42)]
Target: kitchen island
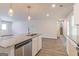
[(17, 45)]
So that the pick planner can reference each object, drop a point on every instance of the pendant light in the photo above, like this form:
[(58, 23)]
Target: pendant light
[(29, 17), (10, 12)]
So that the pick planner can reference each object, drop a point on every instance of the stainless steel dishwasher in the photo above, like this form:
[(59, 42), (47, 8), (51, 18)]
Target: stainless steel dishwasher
[(24, 48)]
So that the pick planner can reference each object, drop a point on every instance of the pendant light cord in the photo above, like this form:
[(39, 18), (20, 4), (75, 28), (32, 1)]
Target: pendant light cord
[(28, 20), (10, 5), (28, 10)]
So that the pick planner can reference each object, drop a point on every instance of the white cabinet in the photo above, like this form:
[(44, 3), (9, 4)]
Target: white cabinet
[(71, 48), (28, 49), (39, 43), (36, 45), (19, 51), (24, 48)]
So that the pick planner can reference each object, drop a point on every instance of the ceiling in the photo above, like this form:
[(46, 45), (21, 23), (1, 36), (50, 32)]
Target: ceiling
[(37, 11)]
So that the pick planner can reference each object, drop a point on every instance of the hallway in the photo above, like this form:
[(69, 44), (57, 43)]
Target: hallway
[(52, 47)]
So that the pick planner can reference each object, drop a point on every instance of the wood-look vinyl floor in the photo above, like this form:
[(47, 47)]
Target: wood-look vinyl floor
[(52, 47)]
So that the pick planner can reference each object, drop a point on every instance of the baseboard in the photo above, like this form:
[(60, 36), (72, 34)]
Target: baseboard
[(38, 52)]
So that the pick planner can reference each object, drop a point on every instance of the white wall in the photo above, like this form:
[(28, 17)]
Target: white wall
[(47, 27), (19, 27)]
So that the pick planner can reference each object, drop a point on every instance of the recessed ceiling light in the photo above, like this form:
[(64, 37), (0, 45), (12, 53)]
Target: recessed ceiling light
[(53, 5), (47, 14)]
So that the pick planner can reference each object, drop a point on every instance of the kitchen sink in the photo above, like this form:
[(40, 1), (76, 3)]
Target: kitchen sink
[(32, 34)]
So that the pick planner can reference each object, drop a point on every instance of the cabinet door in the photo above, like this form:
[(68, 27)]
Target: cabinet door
[(19, 51), (28, 49), (39, 43), (34, 46)]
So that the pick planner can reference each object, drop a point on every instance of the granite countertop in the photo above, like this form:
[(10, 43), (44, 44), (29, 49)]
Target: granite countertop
[(15, 40)]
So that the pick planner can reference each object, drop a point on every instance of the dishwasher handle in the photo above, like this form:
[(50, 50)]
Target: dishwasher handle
[(22, 43)]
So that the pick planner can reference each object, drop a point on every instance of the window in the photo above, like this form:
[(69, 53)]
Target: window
[(3, 26)]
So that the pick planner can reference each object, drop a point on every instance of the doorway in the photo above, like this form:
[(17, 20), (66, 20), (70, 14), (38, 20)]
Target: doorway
[(61, 28)]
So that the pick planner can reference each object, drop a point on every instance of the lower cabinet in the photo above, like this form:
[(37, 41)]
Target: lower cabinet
[(28, 49), (36, 45), (24, 48), (39, 43), (31, 48), (71, 48), (19, 51)]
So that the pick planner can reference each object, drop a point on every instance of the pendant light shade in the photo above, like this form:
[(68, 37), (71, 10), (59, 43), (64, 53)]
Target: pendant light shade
[(10, 12), (29, 17)]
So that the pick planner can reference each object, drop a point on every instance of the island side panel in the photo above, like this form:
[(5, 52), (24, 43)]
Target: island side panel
[(36, 45)]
